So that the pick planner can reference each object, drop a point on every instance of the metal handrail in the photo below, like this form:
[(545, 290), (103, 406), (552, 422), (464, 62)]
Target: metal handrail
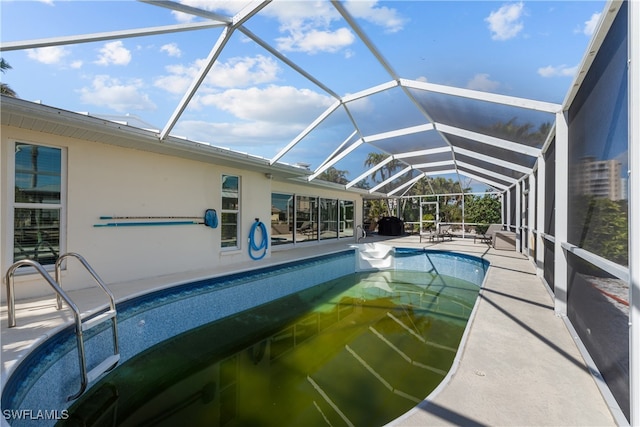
[(79, 334), (60, 293), (110, 362), (83, 261)]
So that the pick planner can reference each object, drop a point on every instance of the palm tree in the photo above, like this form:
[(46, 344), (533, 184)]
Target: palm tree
[(334, 175), (523, 133), (373, 159), (5, 89)]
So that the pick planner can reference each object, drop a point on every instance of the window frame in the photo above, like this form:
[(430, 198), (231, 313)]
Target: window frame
[(12, 205), (235, 211)]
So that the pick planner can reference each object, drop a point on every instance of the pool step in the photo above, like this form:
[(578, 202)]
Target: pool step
[(373, 256), (106, 365), (95, 321)]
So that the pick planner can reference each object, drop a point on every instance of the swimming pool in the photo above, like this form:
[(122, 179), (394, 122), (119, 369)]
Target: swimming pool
[(40, 380)]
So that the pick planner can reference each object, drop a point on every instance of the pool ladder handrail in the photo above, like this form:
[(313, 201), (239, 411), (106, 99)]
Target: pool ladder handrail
[(361, 234), (81, 324)]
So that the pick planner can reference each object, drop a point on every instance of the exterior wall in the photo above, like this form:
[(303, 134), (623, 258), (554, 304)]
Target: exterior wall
[(106, 180)]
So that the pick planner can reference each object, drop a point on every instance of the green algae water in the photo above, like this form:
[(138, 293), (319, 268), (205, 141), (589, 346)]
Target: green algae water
[(357, 351)]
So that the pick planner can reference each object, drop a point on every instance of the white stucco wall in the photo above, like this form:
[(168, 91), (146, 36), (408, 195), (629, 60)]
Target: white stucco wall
[(114, 181)]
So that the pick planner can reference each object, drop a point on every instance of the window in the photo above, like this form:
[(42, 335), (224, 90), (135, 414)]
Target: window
[(347, 216), (306, 218), (37, 203), (328, 219), (230, 212), (281, 218)]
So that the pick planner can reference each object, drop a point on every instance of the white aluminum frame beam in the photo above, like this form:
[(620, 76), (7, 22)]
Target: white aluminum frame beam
[(435, 164), (110, 35), (340, 147), (305, 132), (540, 217), (442, 172), (561, 214), (195, 84), (484, 180), (361, 34), (487, 172), (406, 184), (391, 178), (489, 140), (427, 152), (336, 159), (519, 187), (397, 157), (372, 138), (224, 37), (634, 210), (369, 172), (287, 61), (531, 215), (189, 10), (399, 132), (606, 20), (370, 91), (547, 107), (509, 165), (507, 220)]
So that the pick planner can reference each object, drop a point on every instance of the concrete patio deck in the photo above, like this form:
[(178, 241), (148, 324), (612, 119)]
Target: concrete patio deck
[(519, 365)]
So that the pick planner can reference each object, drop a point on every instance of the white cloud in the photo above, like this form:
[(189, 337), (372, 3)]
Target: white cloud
[(591, 25), (297, 15), (275, 104), (171, 49), (48, 55), (382, 16), (482, 82), (223, 7), (176, 83), (314, 41), (306, 26), (244, 71), (236, 72), (114, 53), (559, 71), (110, 92), (505, 23), (253, 137)]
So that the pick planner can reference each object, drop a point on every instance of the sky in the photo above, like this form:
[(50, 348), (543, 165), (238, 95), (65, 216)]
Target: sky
[(251, 101)]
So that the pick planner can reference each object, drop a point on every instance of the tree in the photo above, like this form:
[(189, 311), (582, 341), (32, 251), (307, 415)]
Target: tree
[(334, 175), (373, 159), (521, 133), (375, 209), (5, 89), (483, 210), (601, 226), (450, 205)]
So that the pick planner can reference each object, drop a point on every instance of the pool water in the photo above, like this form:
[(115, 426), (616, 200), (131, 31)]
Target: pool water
[(357, 351)]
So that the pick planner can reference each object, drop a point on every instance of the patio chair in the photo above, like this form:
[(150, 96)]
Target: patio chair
[(428, 234), (487, 236), (445, 233)]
